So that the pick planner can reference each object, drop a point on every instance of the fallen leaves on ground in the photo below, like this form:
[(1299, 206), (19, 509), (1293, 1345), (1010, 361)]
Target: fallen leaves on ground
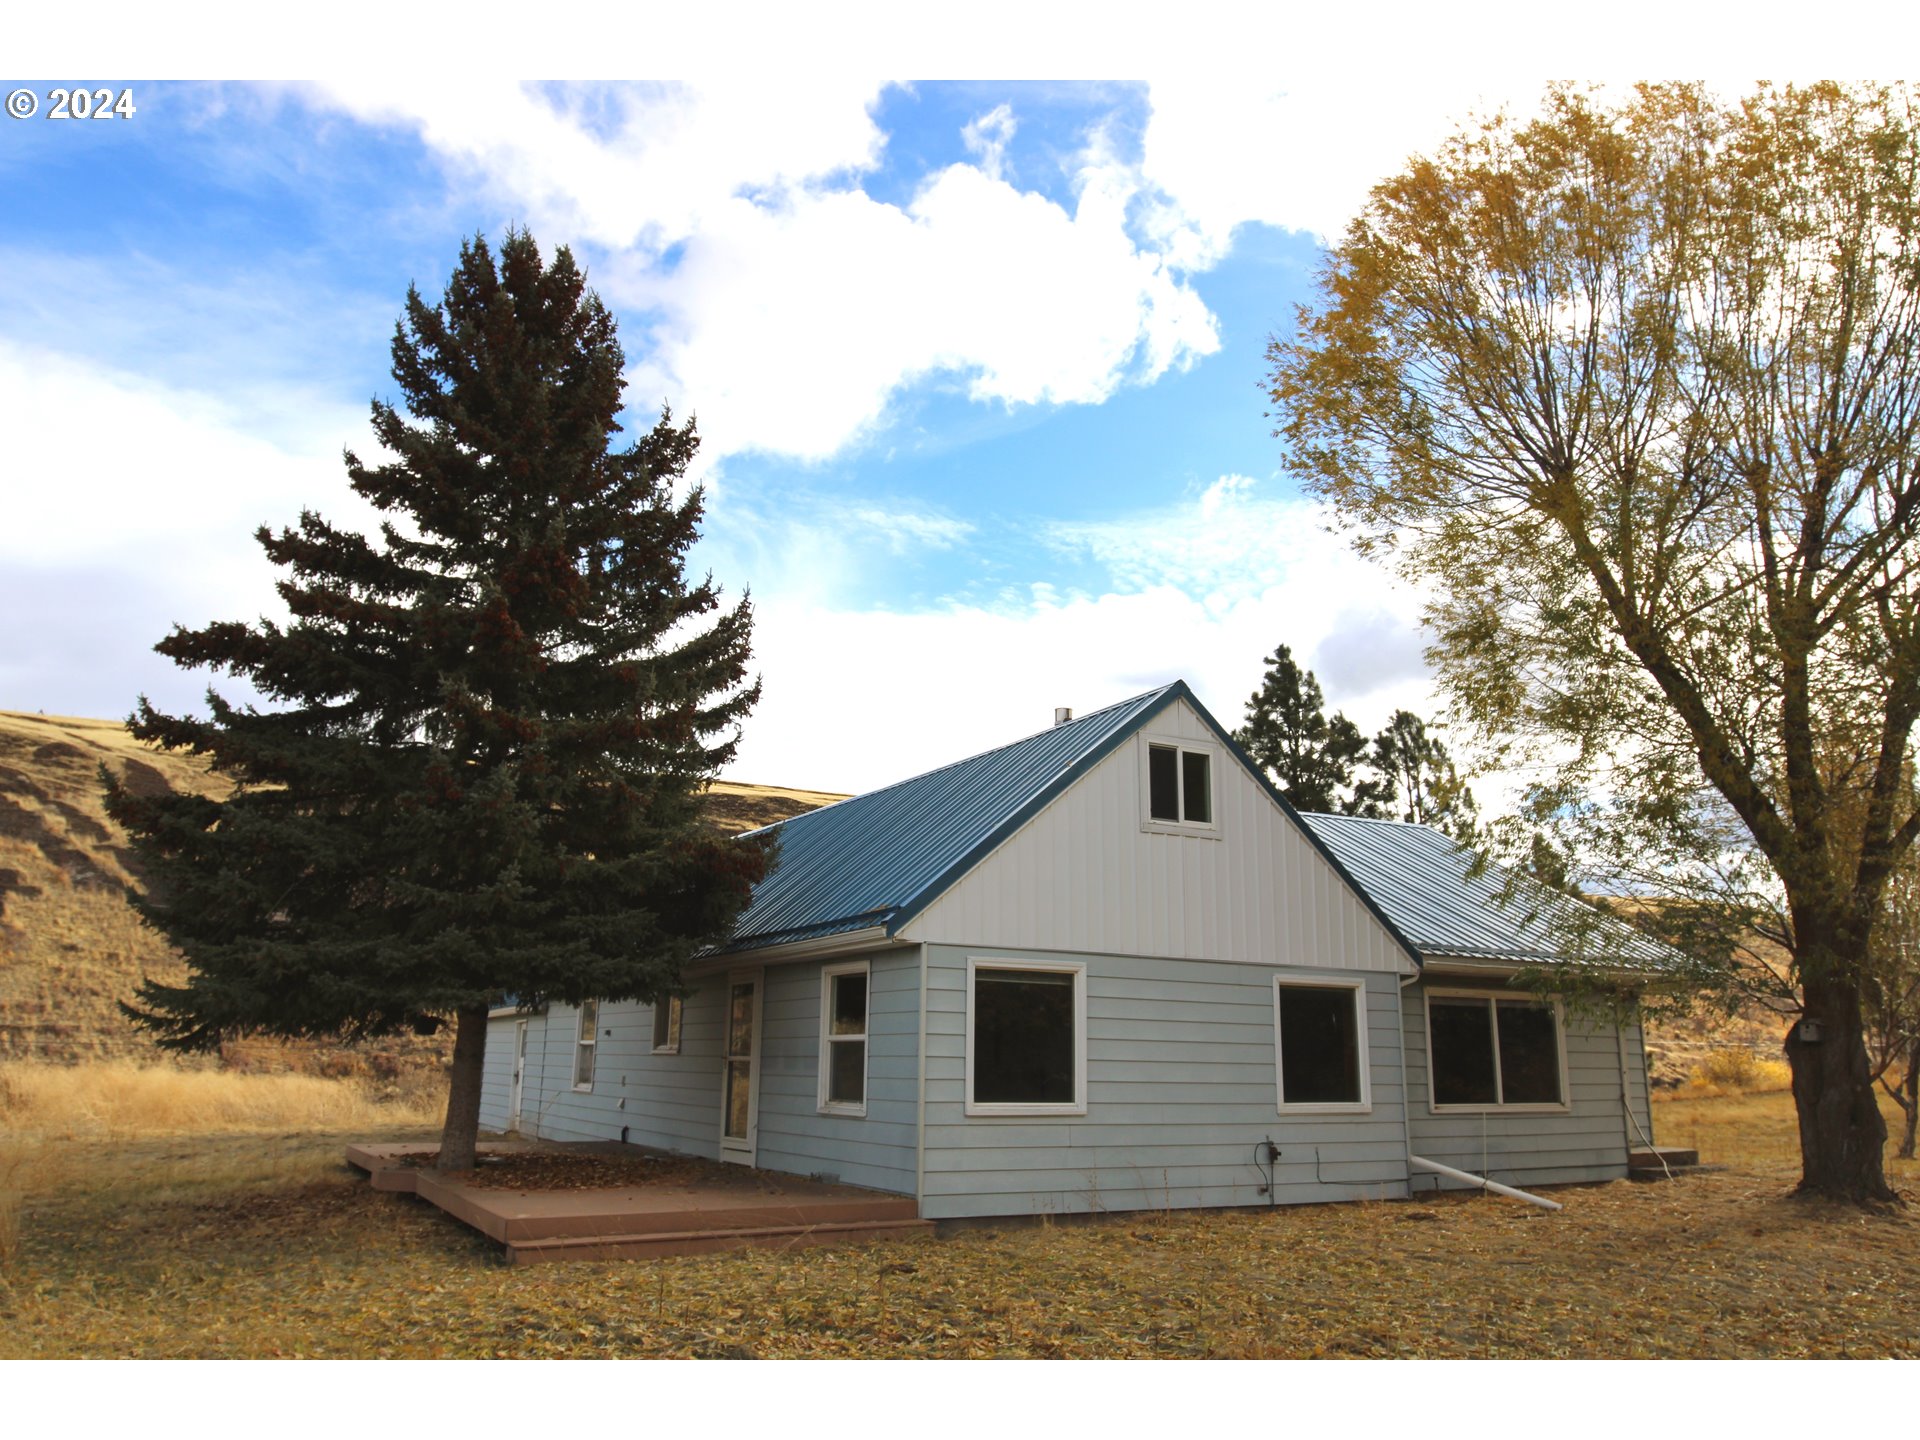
[(310, 1260), (547, 1170)]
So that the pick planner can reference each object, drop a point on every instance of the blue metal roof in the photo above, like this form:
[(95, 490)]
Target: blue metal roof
[(1419, 877), (880, 858)]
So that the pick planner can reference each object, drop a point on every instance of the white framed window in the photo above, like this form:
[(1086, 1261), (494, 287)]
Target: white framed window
[(1026, 1037), (1177, 786), (1494, 1052), (584, 1037), (666, 1025), (1320, 1046), (844, 991)]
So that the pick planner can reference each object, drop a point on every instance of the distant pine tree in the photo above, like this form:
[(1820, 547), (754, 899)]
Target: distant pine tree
[(1311, 758), (1420, 782), (482, 776)]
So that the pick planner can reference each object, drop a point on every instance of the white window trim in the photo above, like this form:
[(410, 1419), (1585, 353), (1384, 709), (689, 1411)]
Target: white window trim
[(1207, 831), (1078, 1106), (1564, 1107), (677, 1016), (586, 1037), (1364, 1106), (828, 1040)]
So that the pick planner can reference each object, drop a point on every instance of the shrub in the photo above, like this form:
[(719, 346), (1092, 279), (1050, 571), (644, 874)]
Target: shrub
[(1738, 1072)]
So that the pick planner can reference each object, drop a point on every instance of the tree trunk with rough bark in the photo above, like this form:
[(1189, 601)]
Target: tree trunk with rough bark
[(1843, 1135), (460, 1137), (1908, 1096)]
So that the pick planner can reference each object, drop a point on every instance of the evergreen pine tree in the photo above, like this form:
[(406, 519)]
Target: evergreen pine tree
[(1419, 780), (481, 771), (1288, 734)]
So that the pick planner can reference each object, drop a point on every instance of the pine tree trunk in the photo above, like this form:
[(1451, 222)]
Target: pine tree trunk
[(1843, 1136), (459, 1139)]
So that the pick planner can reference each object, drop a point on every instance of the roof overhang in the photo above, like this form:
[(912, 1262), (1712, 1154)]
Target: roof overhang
[(873, 937), (1487, 967)]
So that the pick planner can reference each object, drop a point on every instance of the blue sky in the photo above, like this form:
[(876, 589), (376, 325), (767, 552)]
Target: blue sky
[(977, 368)]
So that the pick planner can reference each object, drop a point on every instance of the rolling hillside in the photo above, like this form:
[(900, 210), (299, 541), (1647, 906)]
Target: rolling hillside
[(71, 947)]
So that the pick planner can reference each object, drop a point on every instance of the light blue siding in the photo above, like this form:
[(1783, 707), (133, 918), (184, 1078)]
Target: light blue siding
[(877, 1149), (1181, 1091), (496, 1076), (1641, 1133), (668, 1101), (672, 1102), (1585, 1142)]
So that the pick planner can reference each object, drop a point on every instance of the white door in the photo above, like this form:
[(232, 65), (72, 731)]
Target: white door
[(519, 1074), (740, 1072)]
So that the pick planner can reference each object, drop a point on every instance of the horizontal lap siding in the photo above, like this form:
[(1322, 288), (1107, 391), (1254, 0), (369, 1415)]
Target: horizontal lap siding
[(1642, 1133), (1586, 1142), (1181, 1089), (877, 1149), (496, 1075), (671, 1102)]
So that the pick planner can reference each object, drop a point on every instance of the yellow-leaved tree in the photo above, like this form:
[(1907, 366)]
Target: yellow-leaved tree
[(1633, 389)]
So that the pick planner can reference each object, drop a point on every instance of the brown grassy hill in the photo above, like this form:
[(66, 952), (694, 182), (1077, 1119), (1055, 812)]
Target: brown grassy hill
[(70, 946)]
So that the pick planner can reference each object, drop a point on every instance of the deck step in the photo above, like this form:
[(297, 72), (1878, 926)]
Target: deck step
[(1665, 1162), (647, 1245), (1659, 1157)]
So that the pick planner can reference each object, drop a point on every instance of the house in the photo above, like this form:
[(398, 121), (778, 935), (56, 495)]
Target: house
[(1106, 967)]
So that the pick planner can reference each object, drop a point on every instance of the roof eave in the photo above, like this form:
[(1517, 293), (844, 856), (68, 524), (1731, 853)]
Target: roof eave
[(871, 937), (1445, 962)]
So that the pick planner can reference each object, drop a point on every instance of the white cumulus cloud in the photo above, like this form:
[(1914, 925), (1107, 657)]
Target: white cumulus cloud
[(765, 288)]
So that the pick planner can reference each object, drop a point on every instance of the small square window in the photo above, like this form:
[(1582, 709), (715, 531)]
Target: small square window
[(843, 1038), (666, 1025), (1179, 785)]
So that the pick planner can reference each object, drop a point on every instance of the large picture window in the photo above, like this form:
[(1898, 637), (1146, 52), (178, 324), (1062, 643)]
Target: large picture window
[(583, 1045), (1320, 1044), (843, 1038), (1026, 1038), (1494, 1051)]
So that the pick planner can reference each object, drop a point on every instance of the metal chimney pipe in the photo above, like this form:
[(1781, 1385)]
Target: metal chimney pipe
[(1062, 714)]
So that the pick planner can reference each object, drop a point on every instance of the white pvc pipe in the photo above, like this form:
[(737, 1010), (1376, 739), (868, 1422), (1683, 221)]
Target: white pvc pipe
[(1436, 1168)]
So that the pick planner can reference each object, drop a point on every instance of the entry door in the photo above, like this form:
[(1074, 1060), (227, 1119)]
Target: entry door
[(739, 1080), (519, 1074)]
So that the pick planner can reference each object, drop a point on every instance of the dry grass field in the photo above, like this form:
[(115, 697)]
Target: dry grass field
[(264, 1244)]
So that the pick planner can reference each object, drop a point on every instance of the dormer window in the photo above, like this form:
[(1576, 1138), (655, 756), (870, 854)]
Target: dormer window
[(1179, 787)]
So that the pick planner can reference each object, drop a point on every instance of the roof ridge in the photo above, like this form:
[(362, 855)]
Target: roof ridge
[(978, 755)]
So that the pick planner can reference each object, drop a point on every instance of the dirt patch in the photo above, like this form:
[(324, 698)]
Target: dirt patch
[(540, 1170)]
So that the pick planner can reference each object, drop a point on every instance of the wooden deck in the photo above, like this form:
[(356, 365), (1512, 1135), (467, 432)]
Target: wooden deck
[(636, 1222)]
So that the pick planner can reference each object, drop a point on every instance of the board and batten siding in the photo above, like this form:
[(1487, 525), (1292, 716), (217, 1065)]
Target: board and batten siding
[(1588, 1141), (1181, 1091), (1084, 875), (878, 1149)]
